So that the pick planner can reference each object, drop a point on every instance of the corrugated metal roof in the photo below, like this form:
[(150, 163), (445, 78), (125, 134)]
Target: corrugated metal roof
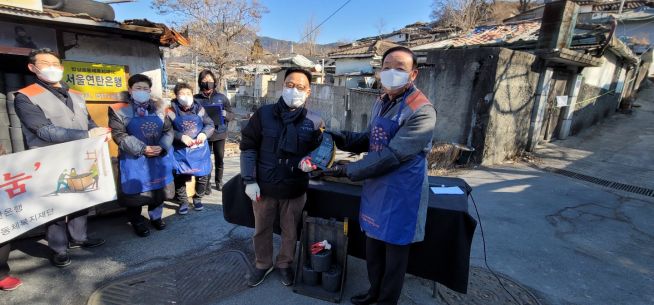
[(297, 60), (489, 35), (368, 49)]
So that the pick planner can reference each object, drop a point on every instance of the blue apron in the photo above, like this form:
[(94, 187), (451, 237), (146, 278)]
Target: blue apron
[(194, 161), (143, 174), (390, 203)]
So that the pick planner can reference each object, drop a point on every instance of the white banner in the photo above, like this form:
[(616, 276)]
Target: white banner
[(43, 184)]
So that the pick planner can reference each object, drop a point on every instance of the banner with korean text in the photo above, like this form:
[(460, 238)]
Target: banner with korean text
[(98, 82), (43, 184)]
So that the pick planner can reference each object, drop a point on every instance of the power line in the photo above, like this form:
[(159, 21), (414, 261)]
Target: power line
[(330, 16)]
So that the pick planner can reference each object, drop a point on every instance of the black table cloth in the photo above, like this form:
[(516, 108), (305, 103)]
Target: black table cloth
[(443, 256)]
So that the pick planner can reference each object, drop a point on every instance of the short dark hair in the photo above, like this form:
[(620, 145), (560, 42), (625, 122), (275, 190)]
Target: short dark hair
[(402, 49), (137, 78), (32, 56), (306, 73), (180, 86), (203, 74)]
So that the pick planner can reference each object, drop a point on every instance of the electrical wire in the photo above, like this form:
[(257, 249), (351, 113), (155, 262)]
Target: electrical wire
[(330, 16), (483, 239)]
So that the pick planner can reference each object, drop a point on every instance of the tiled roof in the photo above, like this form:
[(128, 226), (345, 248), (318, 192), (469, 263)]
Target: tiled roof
[(615, 5), (489, 35), (367, 49)]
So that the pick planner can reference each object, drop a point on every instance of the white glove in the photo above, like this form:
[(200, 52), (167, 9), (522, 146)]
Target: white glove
[(224, 113), (253, 191), (200, 138), (306, 165)]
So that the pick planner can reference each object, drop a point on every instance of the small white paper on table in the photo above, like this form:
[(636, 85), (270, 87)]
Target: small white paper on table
[(449, 190), (562, 101)]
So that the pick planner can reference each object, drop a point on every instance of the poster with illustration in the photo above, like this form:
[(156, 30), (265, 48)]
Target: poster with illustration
[(43, 184)]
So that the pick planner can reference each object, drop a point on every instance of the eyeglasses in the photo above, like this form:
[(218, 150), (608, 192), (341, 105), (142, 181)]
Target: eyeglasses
[(296, 86), (48, 64)]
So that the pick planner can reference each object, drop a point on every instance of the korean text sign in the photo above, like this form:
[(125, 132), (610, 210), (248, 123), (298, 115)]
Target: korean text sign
[(98, 82), (43, 184)]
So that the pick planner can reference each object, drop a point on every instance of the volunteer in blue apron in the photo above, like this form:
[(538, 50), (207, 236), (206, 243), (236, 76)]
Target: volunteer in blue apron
[(144, 136), (395, 192), (192, 157), (219, 110)]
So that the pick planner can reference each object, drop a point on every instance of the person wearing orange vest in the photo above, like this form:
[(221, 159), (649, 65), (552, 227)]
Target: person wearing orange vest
[(51, 113), (395, 193)]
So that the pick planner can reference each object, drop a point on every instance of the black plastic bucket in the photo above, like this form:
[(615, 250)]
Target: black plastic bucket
[(331, 279), (310, 276), (321, 261)]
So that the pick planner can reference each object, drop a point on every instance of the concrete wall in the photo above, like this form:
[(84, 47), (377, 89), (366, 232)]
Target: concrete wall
[(328, 102), (483, 98), (510, 113), (349, 65), (596, 100), (359, 106)]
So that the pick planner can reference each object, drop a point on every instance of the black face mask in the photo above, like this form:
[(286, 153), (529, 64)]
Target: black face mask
[(207, 85)]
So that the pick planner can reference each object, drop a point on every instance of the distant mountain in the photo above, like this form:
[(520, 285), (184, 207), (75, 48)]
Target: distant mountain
[(279, 46)]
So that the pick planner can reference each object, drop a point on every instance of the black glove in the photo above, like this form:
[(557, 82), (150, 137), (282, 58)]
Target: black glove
[(338, 137), (337, 170)]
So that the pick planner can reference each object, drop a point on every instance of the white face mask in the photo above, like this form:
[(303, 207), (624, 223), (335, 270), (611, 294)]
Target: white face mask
[(140, 96), (50, 74), (185, 100), (394, 79), (293, 97)]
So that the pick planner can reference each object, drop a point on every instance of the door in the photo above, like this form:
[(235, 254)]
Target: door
[(552, 116)]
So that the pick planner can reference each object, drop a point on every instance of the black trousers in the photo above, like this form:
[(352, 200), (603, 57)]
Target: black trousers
[(57, 232), (201, 185), (4, 257), (218, 148), (134, 204), (387, 265)]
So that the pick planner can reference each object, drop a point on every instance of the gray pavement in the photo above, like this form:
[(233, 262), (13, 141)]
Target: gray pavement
[(619, 149), (568, 241)]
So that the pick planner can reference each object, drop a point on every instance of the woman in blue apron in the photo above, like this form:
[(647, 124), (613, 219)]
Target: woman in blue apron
[(192, 157), (394, 197), (144, 137)]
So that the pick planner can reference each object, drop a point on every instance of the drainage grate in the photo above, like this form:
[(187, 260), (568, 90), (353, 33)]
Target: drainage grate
[(603, 182), (483, 289), (195, 281)]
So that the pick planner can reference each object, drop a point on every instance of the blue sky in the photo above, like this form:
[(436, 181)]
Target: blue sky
[(286, 18)]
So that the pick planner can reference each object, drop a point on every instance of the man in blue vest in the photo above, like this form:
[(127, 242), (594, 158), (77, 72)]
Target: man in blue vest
[(51, 113), (395, 193), (274, 167)]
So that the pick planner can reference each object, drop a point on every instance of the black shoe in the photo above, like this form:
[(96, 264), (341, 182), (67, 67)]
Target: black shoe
[(60, 260), (88, 243), (219, 186), (258, 275), (363, 299), (141, 229), (287, 276), (158, 224)]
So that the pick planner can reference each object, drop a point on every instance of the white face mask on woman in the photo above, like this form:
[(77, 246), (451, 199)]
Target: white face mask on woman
[(294, 98), (394, 79), (185, 100)]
